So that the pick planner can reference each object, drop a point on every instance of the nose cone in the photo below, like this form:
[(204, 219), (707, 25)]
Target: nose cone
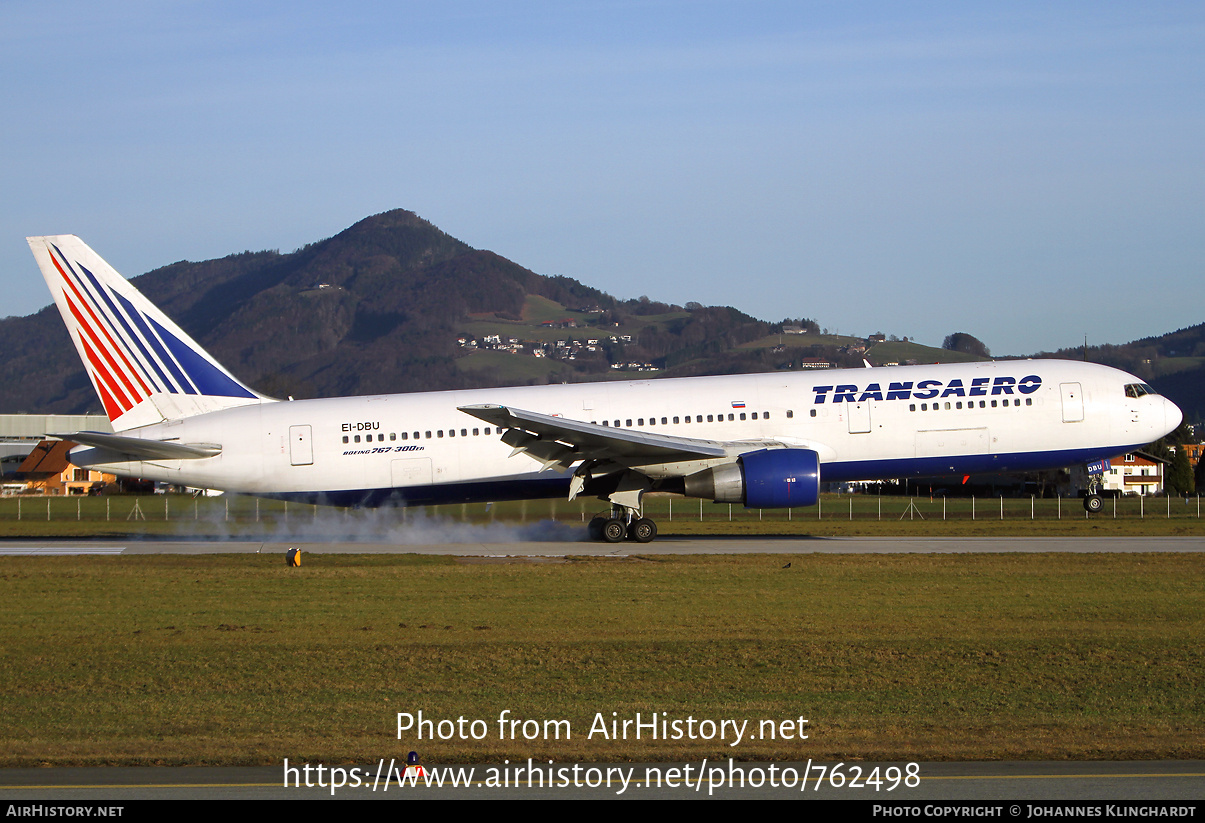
[(1171, 415)]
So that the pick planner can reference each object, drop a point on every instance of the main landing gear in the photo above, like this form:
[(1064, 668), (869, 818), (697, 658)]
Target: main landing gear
[(624, 490), (624, 523)]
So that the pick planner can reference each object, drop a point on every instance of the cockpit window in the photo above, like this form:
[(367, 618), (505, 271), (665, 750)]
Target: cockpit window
[(1138, 390)]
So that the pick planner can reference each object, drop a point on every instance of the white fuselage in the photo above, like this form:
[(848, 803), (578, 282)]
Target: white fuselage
[(874, 423)]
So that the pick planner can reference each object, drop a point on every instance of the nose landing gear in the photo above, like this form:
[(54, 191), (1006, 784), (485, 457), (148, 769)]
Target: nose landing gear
[(1093, 502)]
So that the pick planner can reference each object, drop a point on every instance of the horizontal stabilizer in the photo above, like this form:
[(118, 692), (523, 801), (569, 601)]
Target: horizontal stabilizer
[(137, 448)]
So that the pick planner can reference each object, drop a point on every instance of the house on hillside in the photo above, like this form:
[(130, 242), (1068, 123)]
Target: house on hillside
[(1194, 452)]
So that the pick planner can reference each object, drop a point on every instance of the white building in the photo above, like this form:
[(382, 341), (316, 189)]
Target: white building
[(1133, 473)]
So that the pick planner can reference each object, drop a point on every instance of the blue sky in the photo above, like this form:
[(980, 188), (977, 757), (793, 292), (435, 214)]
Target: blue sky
[(1026, 172)]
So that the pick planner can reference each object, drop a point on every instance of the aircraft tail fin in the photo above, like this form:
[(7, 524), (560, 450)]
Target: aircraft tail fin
[(144, 367)]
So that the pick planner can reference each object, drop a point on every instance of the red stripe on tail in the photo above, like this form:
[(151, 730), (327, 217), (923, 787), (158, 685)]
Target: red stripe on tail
[(133, 392)]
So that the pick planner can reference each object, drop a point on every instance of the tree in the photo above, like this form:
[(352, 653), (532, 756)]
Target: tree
[(966, 343), (1179, 473)]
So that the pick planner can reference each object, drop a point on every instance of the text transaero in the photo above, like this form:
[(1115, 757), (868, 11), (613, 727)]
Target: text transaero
[(928, 389)]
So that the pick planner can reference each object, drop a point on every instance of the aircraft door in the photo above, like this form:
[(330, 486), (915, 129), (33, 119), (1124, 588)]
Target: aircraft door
[(1073, 402), (859, 417), (301, 447)]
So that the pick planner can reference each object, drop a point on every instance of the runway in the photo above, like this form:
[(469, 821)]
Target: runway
[(661, 546)]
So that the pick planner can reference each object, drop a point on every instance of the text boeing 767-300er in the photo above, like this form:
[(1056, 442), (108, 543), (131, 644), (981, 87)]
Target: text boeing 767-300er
[(762, 440)]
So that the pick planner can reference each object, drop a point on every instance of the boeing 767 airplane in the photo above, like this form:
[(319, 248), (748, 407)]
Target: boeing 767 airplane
[(762, 440)]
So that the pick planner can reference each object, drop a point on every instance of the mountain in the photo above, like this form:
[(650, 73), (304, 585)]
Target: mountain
[(379, 308)]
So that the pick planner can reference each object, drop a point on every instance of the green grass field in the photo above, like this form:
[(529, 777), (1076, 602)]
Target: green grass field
[(240, 659), (801, 341), (518, 368), (898, 352)]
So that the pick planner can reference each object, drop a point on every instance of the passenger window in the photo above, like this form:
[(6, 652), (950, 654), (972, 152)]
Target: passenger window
[(345, 438), (675, 421), (813, 413), (790, 414), (754, 415), (392, 436), (709, 420)]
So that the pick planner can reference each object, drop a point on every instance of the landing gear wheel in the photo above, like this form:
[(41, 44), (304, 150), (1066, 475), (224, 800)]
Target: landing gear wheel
[(614, 531), (1093, 503), (643, 530), (595, 528)]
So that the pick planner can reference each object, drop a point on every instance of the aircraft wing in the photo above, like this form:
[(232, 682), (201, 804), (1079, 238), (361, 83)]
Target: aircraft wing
[(557, 441), (137, 448)]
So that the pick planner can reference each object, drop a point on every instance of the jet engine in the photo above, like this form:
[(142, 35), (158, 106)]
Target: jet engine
[(765, 479)]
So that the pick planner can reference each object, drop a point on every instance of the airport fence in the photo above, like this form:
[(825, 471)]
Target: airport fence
[(243, 510)]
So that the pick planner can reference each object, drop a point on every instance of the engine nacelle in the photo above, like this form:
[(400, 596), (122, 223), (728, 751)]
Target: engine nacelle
[(765, 479)]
